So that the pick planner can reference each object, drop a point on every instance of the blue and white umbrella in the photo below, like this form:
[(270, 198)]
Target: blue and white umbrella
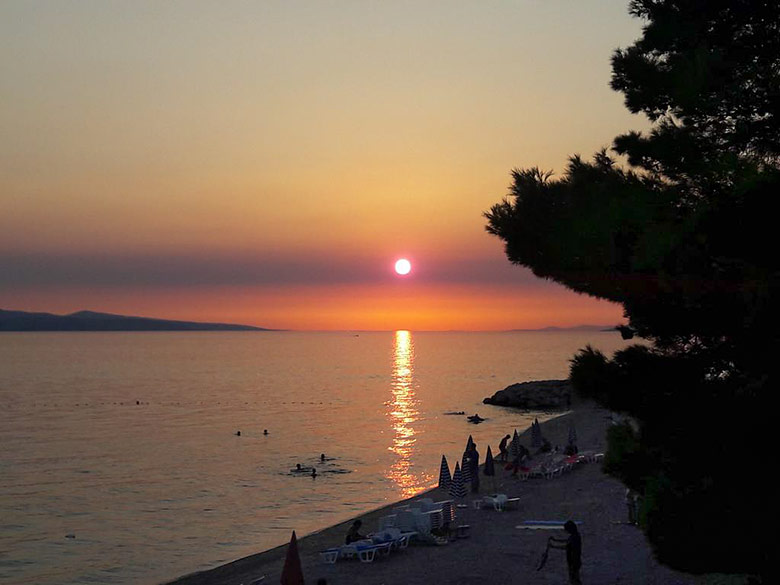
[(465, 467), (514, 446), (445, 479), (457, 488)]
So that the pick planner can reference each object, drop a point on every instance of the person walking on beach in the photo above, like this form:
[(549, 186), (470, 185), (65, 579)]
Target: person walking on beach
[(632, 505), (573, 546), (503, 452)]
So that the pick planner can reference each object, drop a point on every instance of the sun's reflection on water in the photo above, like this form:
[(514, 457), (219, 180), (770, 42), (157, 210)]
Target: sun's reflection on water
[(402, 413)]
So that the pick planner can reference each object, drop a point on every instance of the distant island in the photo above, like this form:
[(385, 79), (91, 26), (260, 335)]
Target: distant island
[(575, 328), (92, 321)]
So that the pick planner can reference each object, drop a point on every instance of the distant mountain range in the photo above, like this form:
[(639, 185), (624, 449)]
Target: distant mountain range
[(92, 321), (576, 328)]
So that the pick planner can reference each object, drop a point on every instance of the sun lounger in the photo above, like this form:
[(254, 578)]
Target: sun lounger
[(364, 550), (496, 501), (387, 521), (544, 524), (397, 539), (330, 556)]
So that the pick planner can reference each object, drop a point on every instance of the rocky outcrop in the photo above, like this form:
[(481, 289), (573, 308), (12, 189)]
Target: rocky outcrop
[(537, 395)]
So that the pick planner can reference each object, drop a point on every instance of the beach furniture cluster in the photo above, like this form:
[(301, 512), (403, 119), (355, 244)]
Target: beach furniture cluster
[(382, 542), (427, 521), (417, 520)]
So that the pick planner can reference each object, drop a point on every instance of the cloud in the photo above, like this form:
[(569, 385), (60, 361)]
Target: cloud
[(172, 270)]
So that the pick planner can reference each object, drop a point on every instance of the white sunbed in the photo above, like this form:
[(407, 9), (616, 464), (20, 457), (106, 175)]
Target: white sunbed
[(364, 550), (500, 502), (398, 540)]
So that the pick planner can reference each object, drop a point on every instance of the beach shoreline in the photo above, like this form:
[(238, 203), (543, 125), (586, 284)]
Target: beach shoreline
[(613, 551)]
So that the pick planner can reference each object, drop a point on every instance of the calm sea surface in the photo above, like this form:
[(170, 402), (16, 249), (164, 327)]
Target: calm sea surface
[(120, 463)]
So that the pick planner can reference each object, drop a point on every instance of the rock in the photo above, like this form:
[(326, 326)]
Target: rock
[(537, 395)]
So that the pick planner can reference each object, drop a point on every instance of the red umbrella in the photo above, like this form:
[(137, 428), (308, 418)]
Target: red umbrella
[(292, 574)]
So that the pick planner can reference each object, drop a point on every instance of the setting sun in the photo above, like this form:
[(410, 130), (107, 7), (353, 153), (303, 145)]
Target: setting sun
[(403, 266)]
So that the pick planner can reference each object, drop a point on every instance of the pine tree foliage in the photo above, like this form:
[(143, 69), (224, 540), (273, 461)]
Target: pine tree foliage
[(682, 237)]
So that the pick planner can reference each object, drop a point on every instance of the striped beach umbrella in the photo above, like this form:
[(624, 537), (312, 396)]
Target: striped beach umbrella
[(445, 479), (465, 467), (457, 488), (514, 446)]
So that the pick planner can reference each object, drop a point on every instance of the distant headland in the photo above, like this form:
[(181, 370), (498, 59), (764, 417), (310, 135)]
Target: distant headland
[(92, 321)]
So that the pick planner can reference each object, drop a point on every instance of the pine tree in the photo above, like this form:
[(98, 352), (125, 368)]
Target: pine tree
[(676, 225)]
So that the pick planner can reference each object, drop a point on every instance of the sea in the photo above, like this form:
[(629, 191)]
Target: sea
[(140, 457)]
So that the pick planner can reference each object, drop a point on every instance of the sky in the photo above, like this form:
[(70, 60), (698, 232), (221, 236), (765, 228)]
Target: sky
[(266, 162)]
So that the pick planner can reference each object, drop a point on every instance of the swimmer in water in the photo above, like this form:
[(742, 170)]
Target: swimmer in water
[(265, 432), (322, 456), (314, 473)]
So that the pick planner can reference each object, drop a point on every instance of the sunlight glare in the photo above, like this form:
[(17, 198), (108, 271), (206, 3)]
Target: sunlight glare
[(403, 266)]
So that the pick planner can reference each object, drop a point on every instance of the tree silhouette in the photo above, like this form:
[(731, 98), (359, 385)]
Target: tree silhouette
[(681, 236)]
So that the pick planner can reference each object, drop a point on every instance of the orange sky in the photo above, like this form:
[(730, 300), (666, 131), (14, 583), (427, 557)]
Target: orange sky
[(267, 162)]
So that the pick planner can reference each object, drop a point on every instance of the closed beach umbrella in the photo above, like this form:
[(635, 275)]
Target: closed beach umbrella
[(445, 479), (469, 443), (465, 467), (490, 467), (457, 488), (292, 573), (514, 446), (572, 435), (536, 434)]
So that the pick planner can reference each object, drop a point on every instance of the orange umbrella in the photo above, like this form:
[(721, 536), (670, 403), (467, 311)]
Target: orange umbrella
[(292, 574)]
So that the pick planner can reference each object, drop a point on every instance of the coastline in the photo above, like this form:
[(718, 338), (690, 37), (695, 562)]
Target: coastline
[(495, 551)]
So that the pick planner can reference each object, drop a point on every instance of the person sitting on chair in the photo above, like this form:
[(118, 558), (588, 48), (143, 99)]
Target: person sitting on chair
[(353, 535)]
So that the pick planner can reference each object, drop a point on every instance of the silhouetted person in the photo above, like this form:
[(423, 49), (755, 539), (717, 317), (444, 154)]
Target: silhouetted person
[(322, 457), (265, 431), (503, 452), (353, 534), (632, 503), (520, 459), (573, 546), (314, 473), (238, 433)]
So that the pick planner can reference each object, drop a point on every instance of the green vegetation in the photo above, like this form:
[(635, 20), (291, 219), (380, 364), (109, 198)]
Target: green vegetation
[(676, 226)]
